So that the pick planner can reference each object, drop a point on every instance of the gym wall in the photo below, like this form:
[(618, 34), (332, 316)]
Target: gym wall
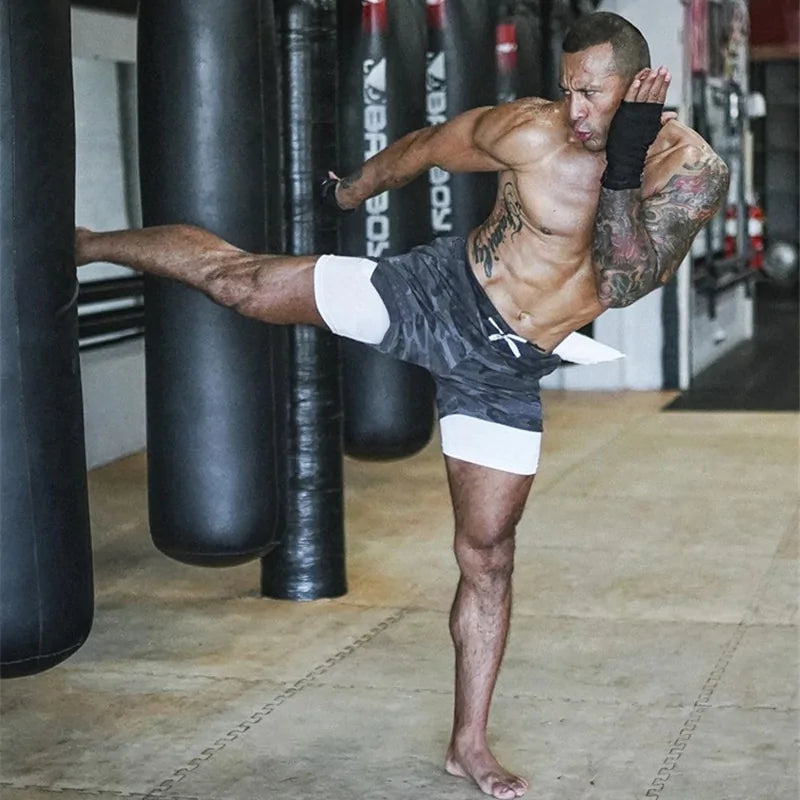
[(103, 50)]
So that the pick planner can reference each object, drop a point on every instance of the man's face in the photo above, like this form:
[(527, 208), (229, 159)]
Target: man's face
[(592, 90)]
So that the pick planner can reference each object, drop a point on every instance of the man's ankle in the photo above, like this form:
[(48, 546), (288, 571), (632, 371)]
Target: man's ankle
[(468, 741)]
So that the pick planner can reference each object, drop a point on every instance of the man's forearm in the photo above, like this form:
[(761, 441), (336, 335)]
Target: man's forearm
[(395, 166), (626, 263)]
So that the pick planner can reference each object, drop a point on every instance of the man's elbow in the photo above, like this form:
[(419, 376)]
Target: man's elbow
[(621, 290), (617, 301), (612, 297)]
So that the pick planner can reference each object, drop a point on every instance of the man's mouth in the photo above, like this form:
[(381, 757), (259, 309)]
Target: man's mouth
[(583, 135)]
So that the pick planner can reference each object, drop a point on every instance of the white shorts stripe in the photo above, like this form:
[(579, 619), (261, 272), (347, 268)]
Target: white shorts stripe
[(490, 444)]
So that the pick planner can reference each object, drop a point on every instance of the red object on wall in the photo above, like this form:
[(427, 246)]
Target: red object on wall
[(698, 36), (755, 230), (373, 16), (436, 12), (755, 234), (505, 47), (774, 29)]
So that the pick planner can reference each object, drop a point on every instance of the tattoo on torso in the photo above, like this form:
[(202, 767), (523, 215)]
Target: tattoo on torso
[(507, 218)]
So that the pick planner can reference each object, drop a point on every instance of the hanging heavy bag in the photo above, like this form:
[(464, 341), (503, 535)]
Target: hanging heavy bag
[(46, 589)]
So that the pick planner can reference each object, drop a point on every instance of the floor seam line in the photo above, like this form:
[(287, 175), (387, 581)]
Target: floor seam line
[(703, 701), (264, 711), (90, 792), (83, 669), (700, 706)]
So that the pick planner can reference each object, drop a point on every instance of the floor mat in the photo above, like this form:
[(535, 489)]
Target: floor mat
[(759, 375)]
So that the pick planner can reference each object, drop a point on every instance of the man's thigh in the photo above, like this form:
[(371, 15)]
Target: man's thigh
[(487, 502)]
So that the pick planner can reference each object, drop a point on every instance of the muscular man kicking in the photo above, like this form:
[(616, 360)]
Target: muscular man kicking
[(597, 205)]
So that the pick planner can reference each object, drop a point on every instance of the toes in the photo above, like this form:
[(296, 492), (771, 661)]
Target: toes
[(505, 789)]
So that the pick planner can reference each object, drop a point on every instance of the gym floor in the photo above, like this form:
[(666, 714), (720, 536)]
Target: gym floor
[(653, 652)]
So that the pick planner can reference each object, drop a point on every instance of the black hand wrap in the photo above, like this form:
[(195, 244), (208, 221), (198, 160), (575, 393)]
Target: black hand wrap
[(327, 194), (633, 129)]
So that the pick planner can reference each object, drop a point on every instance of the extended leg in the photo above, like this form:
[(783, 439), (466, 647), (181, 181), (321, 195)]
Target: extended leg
[(488, 504), (277, 289)]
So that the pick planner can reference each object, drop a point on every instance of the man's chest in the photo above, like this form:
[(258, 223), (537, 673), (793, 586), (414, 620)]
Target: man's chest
[(560, 201), (561, 196)]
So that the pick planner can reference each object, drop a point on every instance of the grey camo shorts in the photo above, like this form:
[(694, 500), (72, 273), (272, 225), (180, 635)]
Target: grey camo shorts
[(441, 319)]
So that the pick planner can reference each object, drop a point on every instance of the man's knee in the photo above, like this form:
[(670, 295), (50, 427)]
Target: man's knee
[(486, 552)]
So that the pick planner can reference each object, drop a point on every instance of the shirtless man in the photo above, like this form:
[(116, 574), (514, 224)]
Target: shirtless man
[(597, 205)]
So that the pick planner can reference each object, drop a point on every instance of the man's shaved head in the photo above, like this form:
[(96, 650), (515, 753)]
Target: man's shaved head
[(630, 49)]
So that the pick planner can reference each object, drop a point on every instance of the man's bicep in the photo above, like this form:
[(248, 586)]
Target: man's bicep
[(674, 216), (456, 145)]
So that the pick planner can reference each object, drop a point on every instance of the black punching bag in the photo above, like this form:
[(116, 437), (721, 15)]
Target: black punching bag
[(506, 61), (557, 17), (528, 24), (388, 404), (309, 562), (46, 592), (518, 51), (460, 76), (203, 160)]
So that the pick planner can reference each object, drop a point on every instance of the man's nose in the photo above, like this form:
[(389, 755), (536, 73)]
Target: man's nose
[(577, 108)]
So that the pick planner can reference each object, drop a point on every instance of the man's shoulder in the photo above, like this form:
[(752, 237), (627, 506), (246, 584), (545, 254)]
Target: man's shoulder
[(679, 143), (679, 149), (536, 114), (523, 128)]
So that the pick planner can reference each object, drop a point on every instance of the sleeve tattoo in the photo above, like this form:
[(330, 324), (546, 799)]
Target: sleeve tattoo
[(639, 244)]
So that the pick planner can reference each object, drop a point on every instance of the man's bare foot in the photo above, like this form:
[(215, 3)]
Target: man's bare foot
[(481, 767)]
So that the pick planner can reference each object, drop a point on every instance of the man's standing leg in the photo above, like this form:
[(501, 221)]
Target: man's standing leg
[(487, 504)]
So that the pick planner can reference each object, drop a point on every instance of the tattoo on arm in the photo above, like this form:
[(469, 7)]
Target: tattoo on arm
[(622, 253), (506, 219), (639, 244)]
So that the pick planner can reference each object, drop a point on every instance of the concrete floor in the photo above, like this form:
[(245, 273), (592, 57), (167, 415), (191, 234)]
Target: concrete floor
[(654, 650)]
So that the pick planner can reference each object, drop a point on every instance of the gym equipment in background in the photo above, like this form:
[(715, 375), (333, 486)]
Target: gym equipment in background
[(309, 563), (211, 427), (46, 582), (388, 404), (459, 77), (518, 51)]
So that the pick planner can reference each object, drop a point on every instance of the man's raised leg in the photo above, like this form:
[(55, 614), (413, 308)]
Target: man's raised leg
[(488, 504), (278, 289)]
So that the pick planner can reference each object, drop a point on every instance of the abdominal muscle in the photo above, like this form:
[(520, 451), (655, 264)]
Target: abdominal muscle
[(541, 282)]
